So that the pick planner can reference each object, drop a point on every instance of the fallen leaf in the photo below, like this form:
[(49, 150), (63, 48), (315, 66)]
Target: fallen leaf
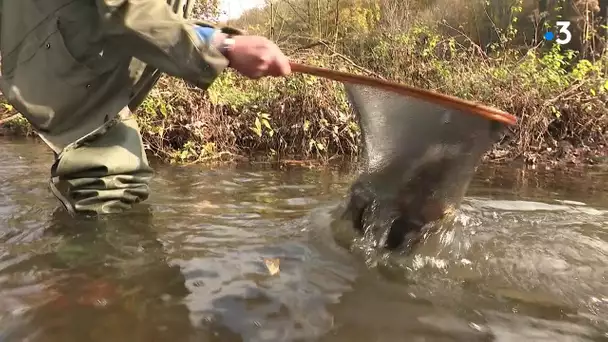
[(207, 205), (272, 264)]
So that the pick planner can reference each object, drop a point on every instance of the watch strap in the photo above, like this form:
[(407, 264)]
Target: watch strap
[(227, 45)]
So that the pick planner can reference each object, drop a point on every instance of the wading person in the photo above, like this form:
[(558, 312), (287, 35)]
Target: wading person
[(77, 69)]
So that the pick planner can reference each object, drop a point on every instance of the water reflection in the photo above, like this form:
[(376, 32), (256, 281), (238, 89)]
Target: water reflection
[(102, 280)]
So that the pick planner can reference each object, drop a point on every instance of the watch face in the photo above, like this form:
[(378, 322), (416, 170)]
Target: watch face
[(228, 45), (229, 42)]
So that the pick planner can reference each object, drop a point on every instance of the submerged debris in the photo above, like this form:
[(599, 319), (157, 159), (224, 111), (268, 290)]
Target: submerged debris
[(272, 264)]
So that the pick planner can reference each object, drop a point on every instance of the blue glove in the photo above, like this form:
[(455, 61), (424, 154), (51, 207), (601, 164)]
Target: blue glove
[(204, 33)]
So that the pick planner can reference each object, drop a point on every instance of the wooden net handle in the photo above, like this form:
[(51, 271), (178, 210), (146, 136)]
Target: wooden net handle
[(446, 100)]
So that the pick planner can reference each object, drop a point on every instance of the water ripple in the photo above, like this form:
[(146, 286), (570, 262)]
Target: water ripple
[(521, 262)]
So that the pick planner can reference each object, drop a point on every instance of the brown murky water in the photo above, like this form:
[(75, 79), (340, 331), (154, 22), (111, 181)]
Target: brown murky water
[(527, 261)]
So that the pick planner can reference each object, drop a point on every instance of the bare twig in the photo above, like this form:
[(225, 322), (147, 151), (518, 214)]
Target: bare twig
[(341, 56), (477, 47), (10, 118)]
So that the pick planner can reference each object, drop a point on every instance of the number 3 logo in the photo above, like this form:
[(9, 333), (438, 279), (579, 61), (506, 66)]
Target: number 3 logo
[(563, 28)]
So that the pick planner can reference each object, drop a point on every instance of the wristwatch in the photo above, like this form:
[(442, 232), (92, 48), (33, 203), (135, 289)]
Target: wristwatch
[(227, 45)]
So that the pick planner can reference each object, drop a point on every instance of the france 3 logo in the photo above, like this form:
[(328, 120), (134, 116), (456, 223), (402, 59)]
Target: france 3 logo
[(563, 34)]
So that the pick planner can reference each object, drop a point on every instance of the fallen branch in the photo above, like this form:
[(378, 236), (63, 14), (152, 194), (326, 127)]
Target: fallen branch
[(10, 118)]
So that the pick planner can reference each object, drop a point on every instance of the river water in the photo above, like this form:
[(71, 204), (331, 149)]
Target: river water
[(527, 260)]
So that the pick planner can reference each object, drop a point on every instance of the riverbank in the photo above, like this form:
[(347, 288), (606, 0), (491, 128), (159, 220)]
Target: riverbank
[(560, 104), (562, 115)]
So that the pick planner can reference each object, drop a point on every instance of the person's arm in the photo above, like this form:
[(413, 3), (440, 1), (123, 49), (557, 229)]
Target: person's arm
[(151, 32), (215, 37)]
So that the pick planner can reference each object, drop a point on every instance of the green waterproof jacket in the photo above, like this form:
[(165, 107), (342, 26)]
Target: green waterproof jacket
[(70, 65)]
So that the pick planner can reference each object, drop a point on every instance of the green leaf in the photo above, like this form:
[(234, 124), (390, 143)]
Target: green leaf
[(311, 143), (306, 125), (267, 124), (163, 109), (555, 112), (258, 127)]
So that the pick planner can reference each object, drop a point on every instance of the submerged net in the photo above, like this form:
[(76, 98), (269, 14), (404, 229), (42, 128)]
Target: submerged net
[(418, 159)]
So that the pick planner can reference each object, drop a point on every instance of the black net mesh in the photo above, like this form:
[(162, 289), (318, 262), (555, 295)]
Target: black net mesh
[(418, 159)]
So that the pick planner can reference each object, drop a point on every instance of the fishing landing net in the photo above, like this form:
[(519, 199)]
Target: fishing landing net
[(418, 160), (419, 153)]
